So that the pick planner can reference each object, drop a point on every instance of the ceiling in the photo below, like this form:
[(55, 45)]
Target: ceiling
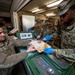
[(39, 4), (5, 5)]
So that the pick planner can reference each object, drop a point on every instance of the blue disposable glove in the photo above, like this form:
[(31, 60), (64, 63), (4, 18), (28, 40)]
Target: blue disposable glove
[(48, 37), (49, 50), (29, 30)]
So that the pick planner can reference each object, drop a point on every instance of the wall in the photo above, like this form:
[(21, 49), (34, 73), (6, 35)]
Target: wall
[(27, 22), (37, 16), (40, 17)]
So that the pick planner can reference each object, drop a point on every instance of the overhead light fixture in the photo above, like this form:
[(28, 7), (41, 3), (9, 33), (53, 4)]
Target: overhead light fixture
[(50, 14), (36, 10), (41, 11), (54, 8), (54, 3)]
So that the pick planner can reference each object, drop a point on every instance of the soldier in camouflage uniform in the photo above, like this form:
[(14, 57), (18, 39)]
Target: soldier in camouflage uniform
[(8, 57), (67, 16), (66, 11)]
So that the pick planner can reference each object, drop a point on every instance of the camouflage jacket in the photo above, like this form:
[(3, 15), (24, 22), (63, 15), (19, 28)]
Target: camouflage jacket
[(68, 37), (8, 57), (67, 43)]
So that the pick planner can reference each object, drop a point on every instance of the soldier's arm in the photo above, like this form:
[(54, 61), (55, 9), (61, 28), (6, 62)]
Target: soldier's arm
[(54, 35), (66, 53), (9, 61), (19, 42)]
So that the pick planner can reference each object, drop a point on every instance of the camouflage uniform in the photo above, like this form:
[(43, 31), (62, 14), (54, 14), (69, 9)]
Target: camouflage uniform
[(68, 54), (8, 57), (68, 37), (67, 33), (67, 43), (47, 30), (38, 30), (42, 31)]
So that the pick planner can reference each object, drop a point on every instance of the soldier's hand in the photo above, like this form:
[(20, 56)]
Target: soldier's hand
[(49, 50), (31, 49)]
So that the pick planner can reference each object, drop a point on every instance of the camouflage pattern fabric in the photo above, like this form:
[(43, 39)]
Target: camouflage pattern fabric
[(47, 30), (68, 38), (38, 30), (8, 57), (68, 54), (67, 44), (44, 30)]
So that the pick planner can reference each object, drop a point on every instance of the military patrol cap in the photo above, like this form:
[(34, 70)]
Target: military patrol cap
[(64, 6)]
